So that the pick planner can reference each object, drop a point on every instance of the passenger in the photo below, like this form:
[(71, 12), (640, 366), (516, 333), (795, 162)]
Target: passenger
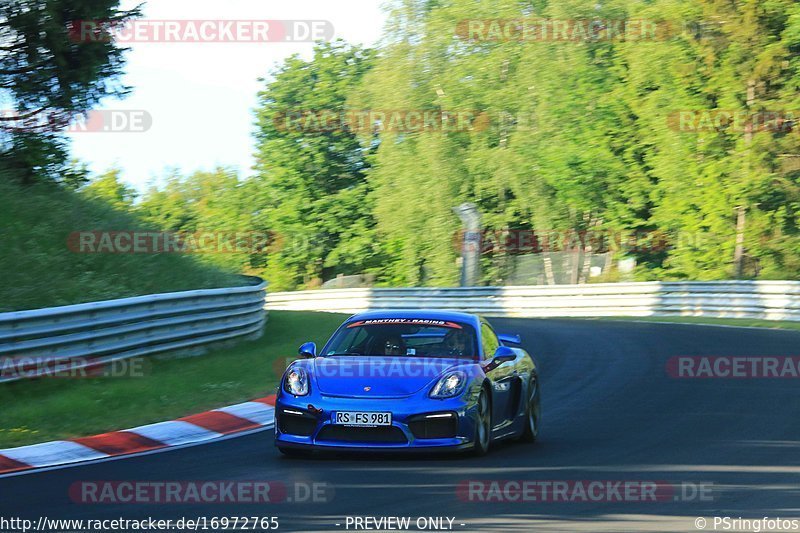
[(457, 343)]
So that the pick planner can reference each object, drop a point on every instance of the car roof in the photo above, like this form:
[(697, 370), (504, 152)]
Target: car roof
[(433, 314)]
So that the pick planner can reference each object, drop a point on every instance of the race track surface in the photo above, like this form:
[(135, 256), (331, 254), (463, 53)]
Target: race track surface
[(611, 412)]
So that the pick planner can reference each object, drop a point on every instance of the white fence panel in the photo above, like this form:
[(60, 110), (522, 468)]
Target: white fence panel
[(771, 300)]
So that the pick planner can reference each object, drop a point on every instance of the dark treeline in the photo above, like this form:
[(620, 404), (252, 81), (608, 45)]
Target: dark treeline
[(687, 133)]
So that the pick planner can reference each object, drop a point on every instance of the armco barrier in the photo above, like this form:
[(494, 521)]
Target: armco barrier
[(33, 343), (771, 300)]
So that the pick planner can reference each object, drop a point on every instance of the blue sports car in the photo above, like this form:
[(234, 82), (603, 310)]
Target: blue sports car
[(408, 380)]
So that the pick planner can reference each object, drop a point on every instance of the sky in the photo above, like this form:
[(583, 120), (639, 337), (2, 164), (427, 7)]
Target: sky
[(201, 95)]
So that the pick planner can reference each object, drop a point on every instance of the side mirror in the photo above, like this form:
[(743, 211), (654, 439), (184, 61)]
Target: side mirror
[(309, 350), (503, 354)]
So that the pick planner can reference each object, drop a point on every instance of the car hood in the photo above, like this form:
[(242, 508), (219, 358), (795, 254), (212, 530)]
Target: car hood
[(375, 376)]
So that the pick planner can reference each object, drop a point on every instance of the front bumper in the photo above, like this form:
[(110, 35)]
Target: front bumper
[(305, 423)]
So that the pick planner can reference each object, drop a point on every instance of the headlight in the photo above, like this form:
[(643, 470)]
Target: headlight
[(450, 385), (296, 382)]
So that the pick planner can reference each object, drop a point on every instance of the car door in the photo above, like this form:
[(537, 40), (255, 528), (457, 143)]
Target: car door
[(503, 378)]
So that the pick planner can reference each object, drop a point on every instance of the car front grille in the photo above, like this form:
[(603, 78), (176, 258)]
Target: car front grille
[(382, 434)]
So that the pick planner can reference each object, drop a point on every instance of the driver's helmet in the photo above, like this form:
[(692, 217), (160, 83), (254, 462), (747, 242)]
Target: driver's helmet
[(456, 342)]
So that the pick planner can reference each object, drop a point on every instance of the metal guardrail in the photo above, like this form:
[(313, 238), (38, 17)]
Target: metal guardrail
[(771, 300), (38, 342)]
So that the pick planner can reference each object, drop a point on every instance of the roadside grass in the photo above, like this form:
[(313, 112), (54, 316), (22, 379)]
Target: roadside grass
[(38, 269), (52, 408), (740, 322)]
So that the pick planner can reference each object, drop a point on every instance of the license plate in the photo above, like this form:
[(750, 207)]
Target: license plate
[(361, 418)]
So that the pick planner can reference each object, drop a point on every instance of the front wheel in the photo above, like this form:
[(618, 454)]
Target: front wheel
[(483, 428), (533, 412)]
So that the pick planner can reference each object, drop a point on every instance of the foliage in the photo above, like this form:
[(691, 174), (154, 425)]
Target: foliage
[(214, 202), (310, 186), (40, 269), (48, 75), (576, 136), (111, 190), (573, 137), (566, 137)]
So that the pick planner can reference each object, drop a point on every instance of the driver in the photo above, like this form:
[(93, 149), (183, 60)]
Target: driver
[(456, 342), (394, 345)]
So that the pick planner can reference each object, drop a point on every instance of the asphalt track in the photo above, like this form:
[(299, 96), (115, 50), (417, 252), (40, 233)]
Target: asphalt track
[(611, 412)]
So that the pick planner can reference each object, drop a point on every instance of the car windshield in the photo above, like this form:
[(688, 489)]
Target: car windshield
[(404, 337)]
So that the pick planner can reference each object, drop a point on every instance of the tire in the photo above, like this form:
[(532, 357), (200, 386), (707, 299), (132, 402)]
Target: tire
[(533, 413), (483, 429), (293, 452)]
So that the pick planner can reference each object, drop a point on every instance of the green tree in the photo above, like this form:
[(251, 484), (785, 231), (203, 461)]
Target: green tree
[(108, 188), (580, 135), (214, 202), (48, 74), (310, 186)]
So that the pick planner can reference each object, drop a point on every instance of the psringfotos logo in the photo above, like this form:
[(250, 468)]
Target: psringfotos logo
[(757, 525), (200, 31)]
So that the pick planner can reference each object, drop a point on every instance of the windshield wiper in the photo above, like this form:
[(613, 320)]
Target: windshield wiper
[(344, 353)]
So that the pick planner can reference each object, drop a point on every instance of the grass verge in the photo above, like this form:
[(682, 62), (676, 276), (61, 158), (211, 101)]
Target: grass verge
[(39, 269), (53, 408), (740, 322)]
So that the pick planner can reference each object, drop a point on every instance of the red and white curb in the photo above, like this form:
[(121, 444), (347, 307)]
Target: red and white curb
[(187, 430)]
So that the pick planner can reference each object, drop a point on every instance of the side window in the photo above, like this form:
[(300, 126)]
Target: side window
[(489, 341)]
